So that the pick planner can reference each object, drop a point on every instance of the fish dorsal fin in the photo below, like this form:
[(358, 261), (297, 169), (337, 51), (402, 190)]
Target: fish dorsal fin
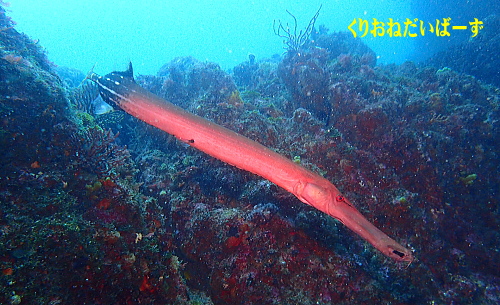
[(130, 71), (128, 74)]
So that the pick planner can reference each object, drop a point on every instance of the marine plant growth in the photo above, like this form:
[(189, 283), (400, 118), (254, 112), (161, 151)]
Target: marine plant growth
[(294, 40)]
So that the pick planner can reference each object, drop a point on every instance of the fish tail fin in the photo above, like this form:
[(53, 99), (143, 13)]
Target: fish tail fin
[(90, 75)]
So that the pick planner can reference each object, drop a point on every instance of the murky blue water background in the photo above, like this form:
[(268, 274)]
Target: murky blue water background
[(150, 33)]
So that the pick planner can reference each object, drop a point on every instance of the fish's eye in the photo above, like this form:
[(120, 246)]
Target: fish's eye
[(398, 253)]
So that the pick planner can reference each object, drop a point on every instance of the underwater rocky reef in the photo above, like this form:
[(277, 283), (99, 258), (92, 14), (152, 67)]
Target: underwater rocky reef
[(477, 57), (105, 209)]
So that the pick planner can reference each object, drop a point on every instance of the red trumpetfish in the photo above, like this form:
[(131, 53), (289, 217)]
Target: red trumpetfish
[(120, 89)]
